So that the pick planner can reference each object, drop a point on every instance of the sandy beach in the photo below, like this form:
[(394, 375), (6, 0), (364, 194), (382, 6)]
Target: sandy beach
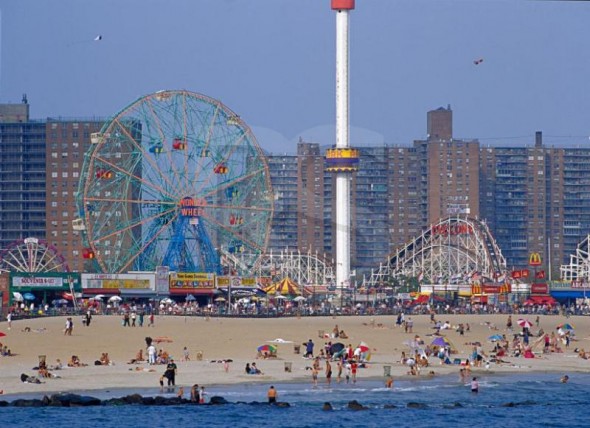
[(238, 338)]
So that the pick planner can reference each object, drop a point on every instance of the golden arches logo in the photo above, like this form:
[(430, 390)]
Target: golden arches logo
[(535, 259)]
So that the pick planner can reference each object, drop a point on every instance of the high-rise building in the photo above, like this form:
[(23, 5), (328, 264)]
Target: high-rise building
[(40, 163), (22, 175), (67, 142), (310, 198), (284, 173), (449, 170)]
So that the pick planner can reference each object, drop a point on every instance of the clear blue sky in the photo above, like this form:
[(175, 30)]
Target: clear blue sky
[(272, 61)]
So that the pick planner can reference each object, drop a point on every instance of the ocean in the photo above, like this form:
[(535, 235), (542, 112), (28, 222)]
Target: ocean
[(521, 400)]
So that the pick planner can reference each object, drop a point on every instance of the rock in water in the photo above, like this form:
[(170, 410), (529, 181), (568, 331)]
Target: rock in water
[(355, 405), (216, 399), (413, 405)]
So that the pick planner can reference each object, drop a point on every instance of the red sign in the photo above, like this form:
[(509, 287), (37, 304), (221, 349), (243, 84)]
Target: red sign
[(491, 289), (539, 289)]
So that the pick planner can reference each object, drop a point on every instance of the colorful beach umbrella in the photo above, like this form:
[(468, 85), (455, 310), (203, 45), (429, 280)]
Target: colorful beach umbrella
[(363, 347), (566, 326), (524, 323), (29, 296), (337, 347), (2, 334), (271, 349), (441, 341)]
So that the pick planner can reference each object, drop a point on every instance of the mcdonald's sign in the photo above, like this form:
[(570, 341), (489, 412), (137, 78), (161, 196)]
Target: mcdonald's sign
[(535, 259)]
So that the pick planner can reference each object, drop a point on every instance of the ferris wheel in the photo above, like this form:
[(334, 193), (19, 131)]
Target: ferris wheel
[(32, 255), (174, 179)]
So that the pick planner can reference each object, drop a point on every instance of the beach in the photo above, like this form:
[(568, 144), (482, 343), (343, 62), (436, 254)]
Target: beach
[(237, 339)]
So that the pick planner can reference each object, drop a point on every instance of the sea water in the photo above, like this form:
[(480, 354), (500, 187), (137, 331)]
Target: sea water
[(503, 400)]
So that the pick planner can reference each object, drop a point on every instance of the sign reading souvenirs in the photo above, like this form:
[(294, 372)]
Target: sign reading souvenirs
[(37, 281)]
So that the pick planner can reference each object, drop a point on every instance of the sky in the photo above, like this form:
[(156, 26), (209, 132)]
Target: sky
[(273, 63)]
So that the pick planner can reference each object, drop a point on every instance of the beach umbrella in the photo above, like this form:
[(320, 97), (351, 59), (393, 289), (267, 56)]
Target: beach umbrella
[(17, 296), (441, 341), (2, 334), (299, 299), (566, 326), (190, 298), (99, 297), (363, 347), (271, 349), (337, 347), (220, 299), (115, 299), (495, 337), (524, 323), (29, 296)]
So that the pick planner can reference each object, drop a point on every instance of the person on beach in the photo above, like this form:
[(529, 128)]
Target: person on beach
[(309, 349), (180, 393), (151, 319), (88, 318), (9, 319), (247, 369), (133, 318), (151, 354), (336, 332), (195, 393), (69, 327), (474, 385), (564, 379), (170, 373), (509, 323), (339, 373), (389, 382), (186, 354), (202, 395), (272, 395), (328, 372), (353, 369), (347, 372), (314, 375)]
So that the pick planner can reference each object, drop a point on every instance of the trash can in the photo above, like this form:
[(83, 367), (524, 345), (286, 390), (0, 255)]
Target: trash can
[(199, 355), (321, 333), (288, 367), (296, 349), (386, 370)]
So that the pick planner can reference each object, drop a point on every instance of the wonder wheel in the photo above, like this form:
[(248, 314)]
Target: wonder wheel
[(174, 179)]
